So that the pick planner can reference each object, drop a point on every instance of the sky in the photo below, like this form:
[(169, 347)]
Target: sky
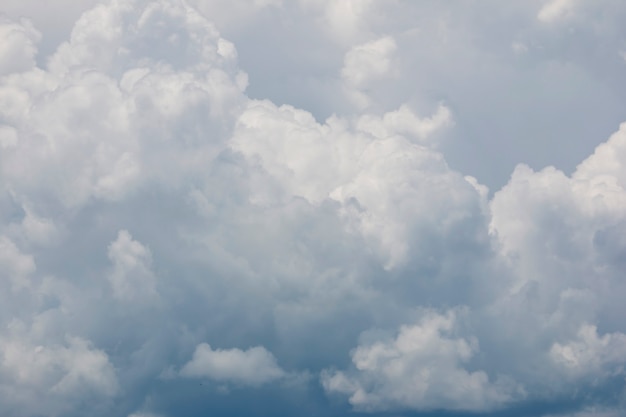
[(312, 208)]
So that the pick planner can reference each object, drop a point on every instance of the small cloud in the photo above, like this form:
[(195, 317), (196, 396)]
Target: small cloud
[(555, 10), (253, 367)]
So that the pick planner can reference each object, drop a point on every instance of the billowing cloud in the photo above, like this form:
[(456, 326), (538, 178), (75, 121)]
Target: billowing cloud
[(421, 369), (366, 207)]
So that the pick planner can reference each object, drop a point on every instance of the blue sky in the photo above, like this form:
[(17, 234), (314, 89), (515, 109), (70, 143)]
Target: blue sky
[(312, 207)]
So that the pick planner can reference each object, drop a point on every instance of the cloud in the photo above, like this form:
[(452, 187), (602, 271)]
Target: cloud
[(122, 92), (53, 379), (366, 63), (344, 208), (420, 369), (131, 277), (254, 366), (295, 150), (344, 20), (555, 9), (590, 354), (17, 266), (18, 49)]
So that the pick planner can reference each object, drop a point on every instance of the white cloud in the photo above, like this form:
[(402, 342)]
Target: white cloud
[(52, 378), (345, 21), (368, 61), (254, 366), (37, 229), (556, 9), (422, 368), (403, 121), (365, 63), (128, 98), (368, 164), (606, 163), (16, 265), (132, 278), (590, 354), (18, 47)]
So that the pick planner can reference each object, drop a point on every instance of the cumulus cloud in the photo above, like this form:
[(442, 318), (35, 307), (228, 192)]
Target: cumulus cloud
[(371, 164), (421, 369), (590, 354), (366, 63), (555, 9), (19, 46), (52, 379), (254, 366), (330, 212), (131, 277)]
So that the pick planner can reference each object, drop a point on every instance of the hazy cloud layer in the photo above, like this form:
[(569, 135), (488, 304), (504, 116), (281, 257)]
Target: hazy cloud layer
[(312, 207)]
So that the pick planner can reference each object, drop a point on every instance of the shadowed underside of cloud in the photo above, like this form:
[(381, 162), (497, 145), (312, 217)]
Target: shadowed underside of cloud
[(162, 231)]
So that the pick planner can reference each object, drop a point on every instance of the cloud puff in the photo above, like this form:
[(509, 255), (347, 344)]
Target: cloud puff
[(127, 95), (254, 366), (18, 49), (366, 63), (421, 369), (52, 379), (369, 170), (590, 354)]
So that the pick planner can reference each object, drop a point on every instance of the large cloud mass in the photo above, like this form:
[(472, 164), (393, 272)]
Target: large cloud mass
[(295, 220)]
